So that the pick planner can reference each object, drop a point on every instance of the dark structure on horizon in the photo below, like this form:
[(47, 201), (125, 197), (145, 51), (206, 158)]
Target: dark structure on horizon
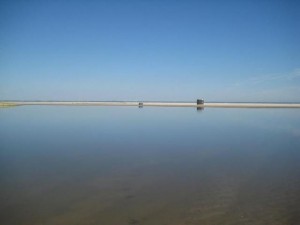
[(200, 103)]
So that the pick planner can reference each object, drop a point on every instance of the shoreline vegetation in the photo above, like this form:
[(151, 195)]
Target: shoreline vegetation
[(7, 104), (150, 104)]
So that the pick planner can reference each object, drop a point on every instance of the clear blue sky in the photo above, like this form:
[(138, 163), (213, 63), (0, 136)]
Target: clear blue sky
[(150, 50)]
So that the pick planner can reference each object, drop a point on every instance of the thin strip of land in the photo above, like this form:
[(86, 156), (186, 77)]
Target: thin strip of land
[(153, 104)]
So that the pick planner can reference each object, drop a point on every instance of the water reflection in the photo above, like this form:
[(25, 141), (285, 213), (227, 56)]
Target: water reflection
[(119, 165), (200, 108)]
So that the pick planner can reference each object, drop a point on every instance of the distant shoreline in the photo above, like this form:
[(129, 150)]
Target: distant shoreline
[(149, 104)]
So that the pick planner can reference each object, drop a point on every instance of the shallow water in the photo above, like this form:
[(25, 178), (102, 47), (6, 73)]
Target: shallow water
[(158, 166)]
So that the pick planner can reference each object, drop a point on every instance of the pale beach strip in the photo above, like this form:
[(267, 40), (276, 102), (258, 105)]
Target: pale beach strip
[(153, 104), (224, 105), (252, 105)]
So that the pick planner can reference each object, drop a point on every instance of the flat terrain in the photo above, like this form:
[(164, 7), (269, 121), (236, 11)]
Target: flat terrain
[(157, 104)]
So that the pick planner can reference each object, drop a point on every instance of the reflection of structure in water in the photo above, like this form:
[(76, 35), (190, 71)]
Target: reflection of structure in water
[(200, 109), (200, 103)]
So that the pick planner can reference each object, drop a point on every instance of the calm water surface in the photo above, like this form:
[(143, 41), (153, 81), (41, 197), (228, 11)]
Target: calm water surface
[(150, 166)]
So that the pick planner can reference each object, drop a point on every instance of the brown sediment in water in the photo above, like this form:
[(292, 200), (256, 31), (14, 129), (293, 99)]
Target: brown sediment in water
[(202, 170)]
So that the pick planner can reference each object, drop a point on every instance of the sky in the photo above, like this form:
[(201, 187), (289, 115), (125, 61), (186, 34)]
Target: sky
[(150, 50)]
